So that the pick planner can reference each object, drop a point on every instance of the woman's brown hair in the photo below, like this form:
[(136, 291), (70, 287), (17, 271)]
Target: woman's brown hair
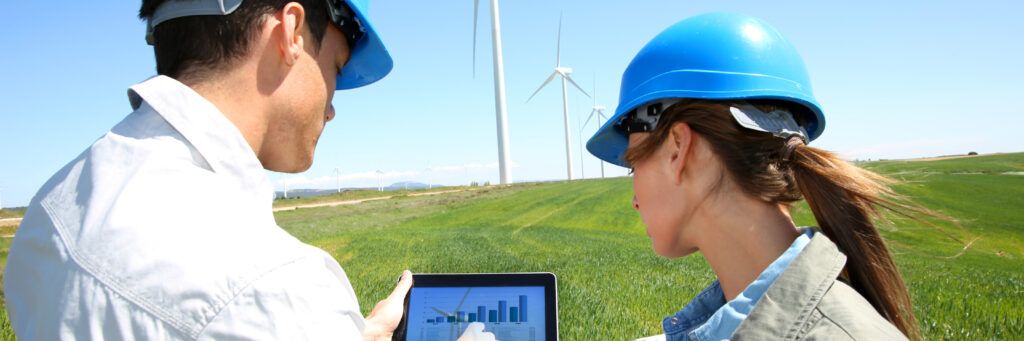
[(843, 197)]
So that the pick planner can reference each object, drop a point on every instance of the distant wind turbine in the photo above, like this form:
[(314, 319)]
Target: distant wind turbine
[(380, 180), (599, 111), (500, 107), (337, 178), (564, 73), (285, 188)]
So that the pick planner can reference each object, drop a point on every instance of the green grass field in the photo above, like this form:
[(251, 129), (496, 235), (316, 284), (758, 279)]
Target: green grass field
[(12, 213), (586, 233)]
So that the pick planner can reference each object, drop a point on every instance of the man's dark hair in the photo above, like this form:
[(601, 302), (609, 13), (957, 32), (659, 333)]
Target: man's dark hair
[(193, 45)]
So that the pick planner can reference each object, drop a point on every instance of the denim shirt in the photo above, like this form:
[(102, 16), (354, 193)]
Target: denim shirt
[(709, 317)]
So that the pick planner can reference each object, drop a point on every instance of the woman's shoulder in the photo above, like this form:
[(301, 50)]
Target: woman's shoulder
[(843, 311), (808, 302)]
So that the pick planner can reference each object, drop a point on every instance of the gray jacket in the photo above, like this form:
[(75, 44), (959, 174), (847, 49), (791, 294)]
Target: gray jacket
[(806, 302)]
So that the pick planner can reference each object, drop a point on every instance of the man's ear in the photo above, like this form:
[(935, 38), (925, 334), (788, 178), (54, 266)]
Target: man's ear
[(292, 20), (680, 140)]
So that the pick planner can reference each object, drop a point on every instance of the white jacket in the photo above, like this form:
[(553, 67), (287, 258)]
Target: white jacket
[(163, 230)]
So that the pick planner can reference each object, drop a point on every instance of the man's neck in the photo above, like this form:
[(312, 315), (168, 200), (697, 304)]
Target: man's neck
[(236, 95), (739, 247)]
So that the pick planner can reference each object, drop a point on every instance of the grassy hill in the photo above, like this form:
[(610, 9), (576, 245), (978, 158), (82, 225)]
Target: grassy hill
[(611, 284)]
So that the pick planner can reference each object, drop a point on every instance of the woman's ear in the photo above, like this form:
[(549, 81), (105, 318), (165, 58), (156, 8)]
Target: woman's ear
[(292, 19), (680, 140)]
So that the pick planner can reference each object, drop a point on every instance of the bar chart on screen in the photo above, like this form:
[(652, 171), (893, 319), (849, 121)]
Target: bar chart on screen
[(442, 314)]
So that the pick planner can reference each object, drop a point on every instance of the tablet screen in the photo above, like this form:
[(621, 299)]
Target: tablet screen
[(442, 313)]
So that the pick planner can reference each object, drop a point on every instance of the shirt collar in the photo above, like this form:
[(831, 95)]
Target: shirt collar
[(797, 290), (709, 317), (204, 126)]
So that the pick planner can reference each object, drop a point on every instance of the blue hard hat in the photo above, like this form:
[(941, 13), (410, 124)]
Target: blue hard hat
[(714, 56), (370, 60)]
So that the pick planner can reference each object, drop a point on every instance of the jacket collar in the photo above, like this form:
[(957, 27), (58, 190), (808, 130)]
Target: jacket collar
[(789, 302), (213, 136)]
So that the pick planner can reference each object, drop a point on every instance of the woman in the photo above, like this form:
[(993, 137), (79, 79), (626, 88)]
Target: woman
[(714, 116)]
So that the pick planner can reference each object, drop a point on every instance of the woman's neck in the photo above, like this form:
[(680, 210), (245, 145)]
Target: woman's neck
[(741, 236)]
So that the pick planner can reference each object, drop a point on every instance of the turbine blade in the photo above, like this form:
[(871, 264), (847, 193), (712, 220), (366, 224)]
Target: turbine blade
[(463, 300), (568, 78), (476, 11), (591, 116), (558, 47), (442, 312), (542, 85)]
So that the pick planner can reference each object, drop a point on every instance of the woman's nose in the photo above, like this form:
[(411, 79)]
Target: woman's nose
[(636, 205)]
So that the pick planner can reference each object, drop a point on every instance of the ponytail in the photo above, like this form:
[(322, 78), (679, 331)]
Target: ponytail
[(844, 199)]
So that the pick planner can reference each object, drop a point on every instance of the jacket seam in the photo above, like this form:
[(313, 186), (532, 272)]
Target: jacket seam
[(838, 325), (819, 292), (110, 282), (809, 324), (244, 289)]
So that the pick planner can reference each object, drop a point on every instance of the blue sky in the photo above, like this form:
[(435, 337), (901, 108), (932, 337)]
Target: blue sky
[(896, 80)]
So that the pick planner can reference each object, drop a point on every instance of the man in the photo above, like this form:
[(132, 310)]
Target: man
[(163, 228)]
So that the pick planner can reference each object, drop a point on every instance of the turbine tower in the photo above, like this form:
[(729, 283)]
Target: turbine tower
[(583, 171), (285, 180), (337, 178), (500, 107), (599, 111), (563, 72), (380, 180)]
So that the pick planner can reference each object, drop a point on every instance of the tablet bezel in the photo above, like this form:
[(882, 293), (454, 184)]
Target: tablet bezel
[(516, 279)]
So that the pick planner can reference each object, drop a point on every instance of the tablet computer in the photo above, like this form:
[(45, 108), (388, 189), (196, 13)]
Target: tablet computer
[(513, 306)]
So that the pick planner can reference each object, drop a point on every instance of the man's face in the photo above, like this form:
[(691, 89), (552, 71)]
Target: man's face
[(306, 106)]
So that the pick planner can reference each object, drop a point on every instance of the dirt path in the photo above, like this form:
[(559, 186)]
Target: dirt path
[(10, 222), (359, 201)]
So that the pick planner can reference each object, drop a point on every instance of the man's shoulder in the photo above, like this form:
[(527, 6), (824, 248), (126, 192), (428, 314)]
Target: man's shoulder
[(141, 214), (142, 142), (182, 270)]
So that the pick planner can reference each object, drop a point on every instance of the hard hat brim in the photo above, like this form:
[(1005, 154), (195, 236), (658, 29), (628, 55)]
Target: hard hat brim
[(609, 143), (369, 60)]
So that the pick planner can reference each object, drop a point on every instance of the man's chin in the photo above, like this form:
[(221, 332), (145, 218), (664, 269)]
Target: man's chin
[(296, 166)]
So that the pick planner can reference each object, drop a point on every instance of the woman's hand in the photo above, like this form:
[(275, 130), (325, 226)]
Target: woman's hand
[(386, 315), (475, 332)]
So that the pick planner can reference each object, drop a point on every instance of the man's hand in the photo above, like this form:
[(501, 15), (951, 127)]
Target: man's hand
[(386, 315)]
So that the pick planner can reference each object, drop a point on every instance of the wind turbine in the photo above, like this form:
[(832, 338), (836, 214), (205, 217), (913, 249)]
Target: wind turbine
[(583, 172), (337, 178), (500, 107), (564, 73), (599, 111), (380, 180), (427, 174), (285, 180)]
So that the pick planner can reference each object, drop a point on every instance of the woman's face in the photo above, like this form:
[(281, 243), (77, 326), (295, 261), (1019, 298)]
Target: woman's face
[(664, 205)]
